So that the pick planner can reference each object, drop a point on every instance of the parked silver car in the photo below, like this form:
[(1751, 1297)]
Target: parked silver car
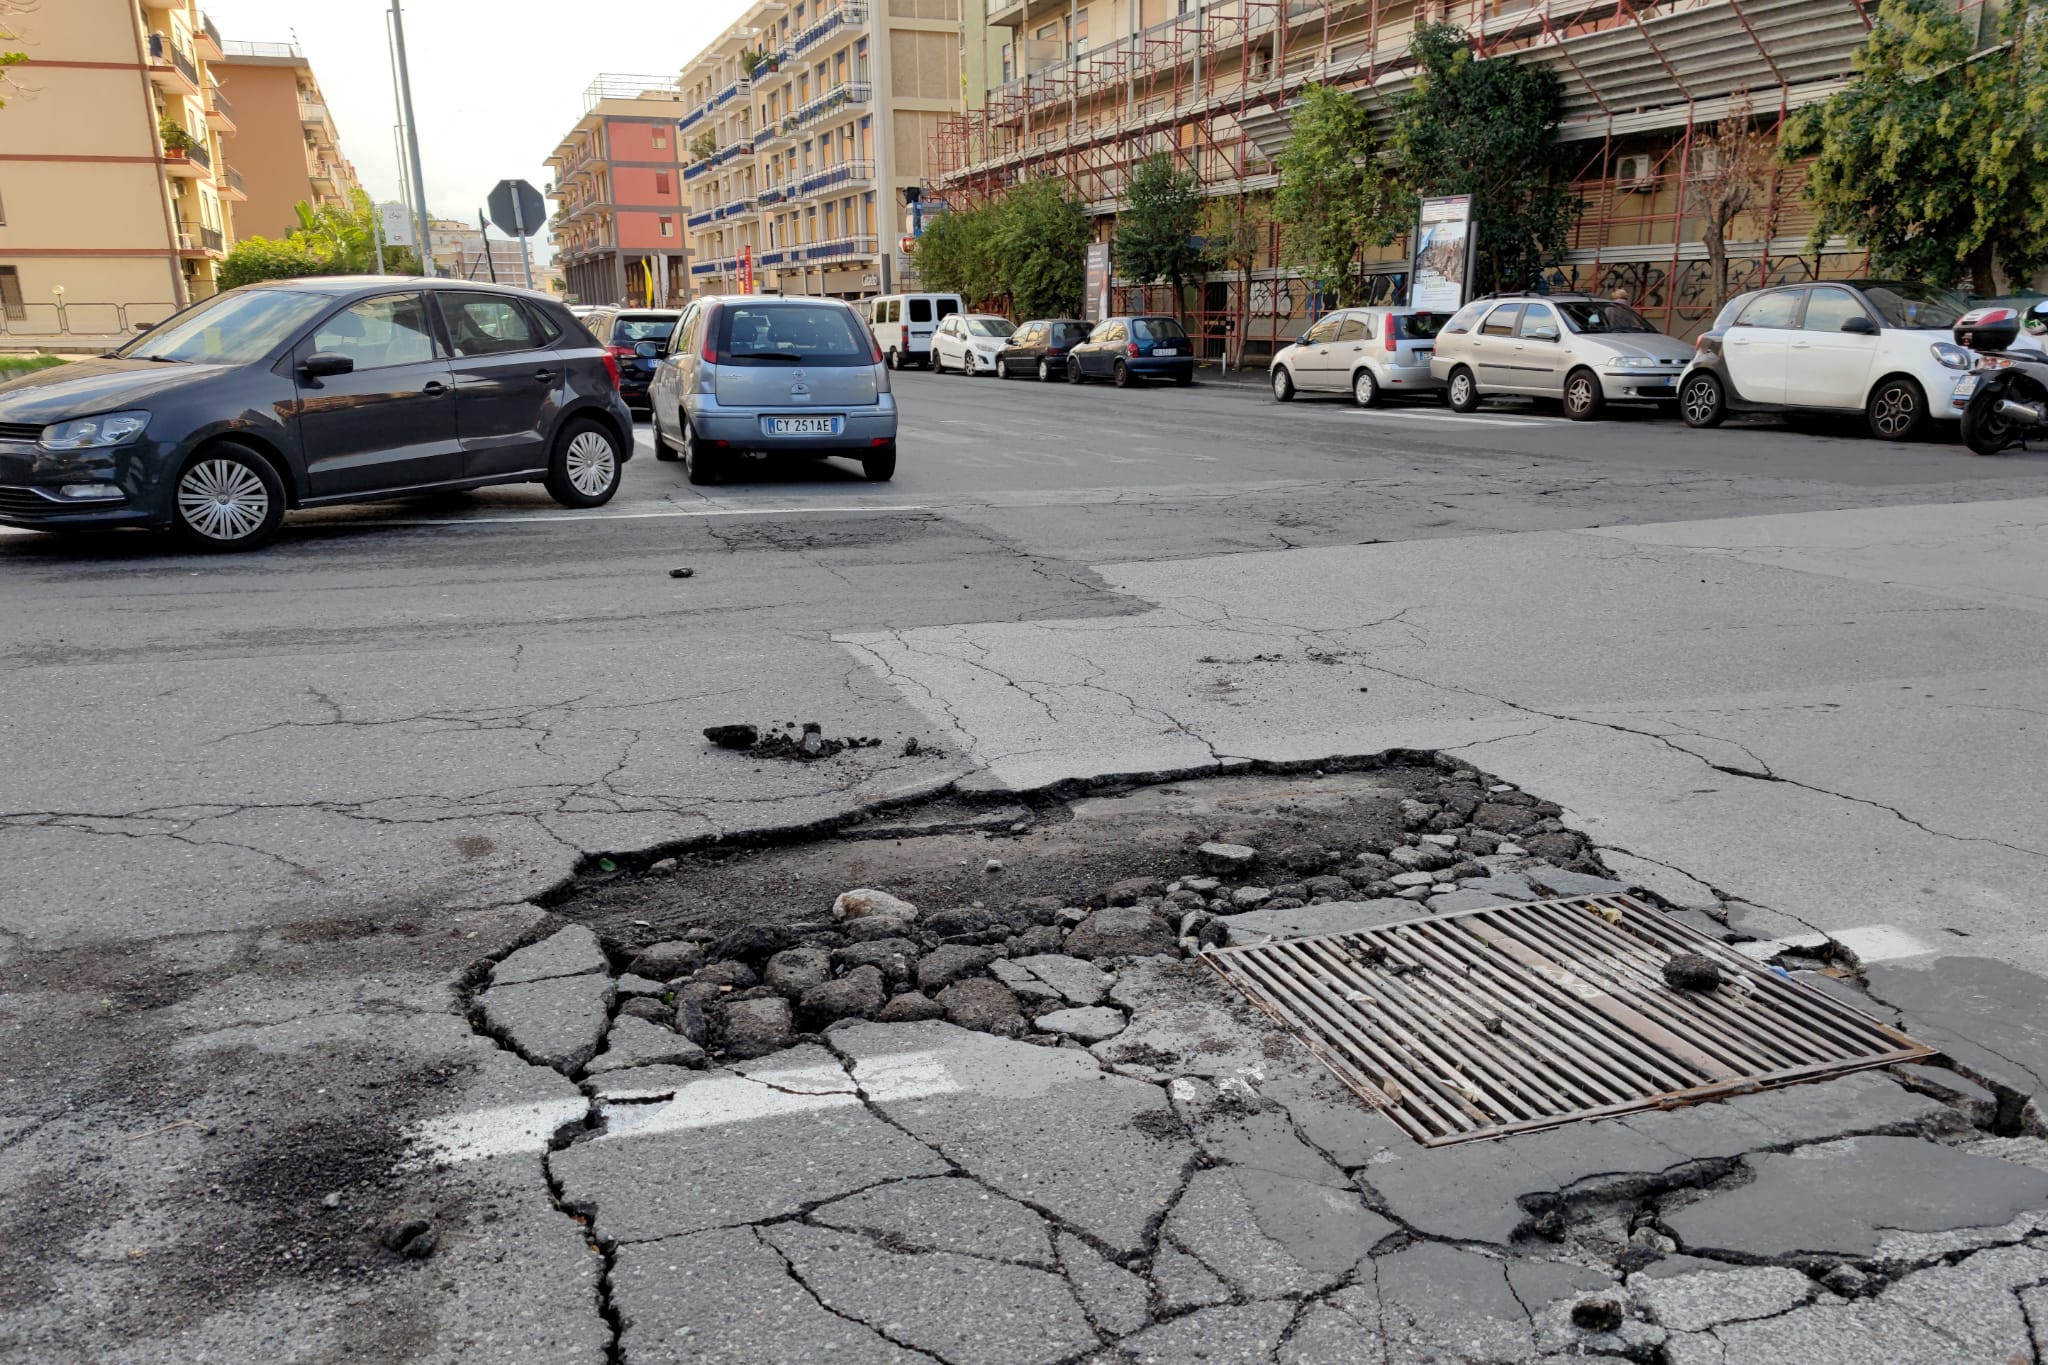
[(747, 377), (1583, 350), (1365, 352)]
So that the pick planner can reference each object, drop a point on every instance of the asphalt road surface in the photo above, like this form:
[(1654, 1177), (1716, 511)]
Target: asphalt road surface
[(260, 813)]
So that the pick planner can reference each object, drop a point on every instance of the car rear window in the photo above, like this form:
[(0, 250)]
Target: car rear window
[(628, 330), (920, 310), (1417, 326), (792, 334), (989, 327), (1157, 329), (1464, 318), (1069, 333)]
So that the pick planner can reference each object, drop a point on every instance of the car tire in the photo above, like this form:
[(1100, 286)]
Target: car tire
[(1365, 389), (1583, 397), (663, 451), (1461, 393), (1121, 375), (1283, 385), (585, 469), (1045, 371), (1002, 368), (1074, 372), (228, 498), (895, 359), (1897, 410), (699, 464), (879, 466), (1703, 402)]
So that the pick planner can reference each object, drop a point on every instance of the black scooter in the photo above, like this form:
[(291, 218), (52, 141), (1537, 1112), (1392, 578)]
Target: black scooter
[(2005, 399)]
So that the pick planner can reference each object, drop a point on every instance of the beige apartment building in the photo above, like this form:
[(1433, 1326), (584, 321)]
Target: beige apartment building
[(116, 203), (284, 143), (1084, 89), (805, 122), (618, 229)]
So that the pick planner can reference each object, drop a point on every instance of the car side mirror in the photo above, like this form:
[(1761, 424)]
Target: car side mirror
[(1543, 333), (324, 364), (1862, 327), (646, 350)]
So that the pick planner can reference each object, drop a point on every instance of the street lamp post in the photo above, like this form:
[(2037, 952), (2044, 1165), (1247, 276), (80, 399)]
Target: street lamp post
[(412, 137)]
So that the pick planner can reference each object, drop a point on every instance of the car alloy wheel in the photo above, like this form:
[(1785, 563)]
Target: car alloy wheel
[(591, 463), (1463, 393), (1283, 384), (1582, 396), (1365, 390), (1895, 410), (1121, 375), (1044, 372), (1700, 404), (224, 501)]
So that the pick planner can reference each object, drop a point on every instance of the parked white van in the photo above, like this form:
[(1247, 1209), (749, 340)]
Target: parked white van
[(903, 325)]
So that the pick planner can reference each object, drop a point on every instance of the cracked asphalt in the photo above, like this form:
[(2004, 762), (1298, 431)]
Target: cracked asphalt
[(261, 815)]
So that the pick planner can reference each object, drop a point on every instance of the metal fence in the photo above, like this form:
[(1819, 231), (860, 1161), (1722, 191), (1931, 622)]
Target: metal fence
[(80, 319)]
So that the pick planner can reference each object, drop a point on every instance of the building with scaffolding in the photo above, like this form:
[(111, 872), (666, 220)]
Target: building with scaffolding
[(804, 121), (1085, 89), (618, 229)]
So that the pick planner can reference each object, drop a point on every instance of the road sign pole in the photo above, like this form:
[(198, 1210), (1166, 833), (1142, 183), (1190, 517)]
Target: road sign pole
[(485, 233), (525, 253), (412, 139)]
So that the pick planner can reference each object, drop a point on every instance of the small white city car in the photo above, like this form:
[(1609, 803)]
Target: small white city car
[(1846, 346), (1369, 353), (1586, 352), (968, 343)]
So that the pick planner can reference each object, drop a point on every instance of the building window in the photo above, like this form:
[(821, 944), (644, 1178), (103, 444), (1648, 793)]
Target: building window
[(661, 182), (11, 306), (661, 139), (668, 227)]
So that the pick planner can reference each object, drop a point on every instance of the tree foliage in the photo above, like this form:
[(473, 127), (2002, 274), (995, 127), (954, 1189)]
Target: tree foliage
[(1236, 229), (1336, 196), (1936, 162), (1156, 226), (1027, 247), (1489, 129), (328, 241)]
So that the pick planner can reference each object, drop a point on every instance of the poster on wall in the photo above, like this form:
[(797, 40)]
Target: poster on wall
[(1443, 255), (1096, 307)]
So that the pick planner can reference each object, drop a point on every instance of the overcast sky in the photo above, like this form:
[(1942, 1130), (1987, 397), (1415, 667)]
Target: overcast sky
[(495, 83)]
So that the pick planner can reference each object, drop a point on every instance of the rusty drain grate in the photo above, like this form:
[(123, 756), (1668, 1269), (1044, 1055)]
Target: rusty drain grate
[(1517, 1017)]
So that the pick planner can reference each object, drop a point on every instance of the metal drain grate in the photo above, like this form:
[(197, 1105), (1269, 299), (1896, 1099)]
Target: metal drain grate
[(1518, 1017)]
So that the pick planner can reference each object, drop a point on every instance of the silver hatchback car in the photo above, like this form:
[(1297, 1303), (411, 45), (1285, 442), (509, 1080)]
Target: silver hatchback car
[(1368, 353), (1583, 350), (762, 377)]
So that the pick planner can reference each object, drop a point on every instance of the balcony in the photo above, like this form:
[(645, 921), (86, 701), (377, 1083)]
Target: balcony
[(211, 34), (829, 103), (228, 181), (323, 177), (171, 66), (195, 237), (840, 248), (849, 12), (774, 194), (188, 163), (220, 115), (313, 114), (844, 173), (718, 158), (733, 210), (780, 71), (704, 219)]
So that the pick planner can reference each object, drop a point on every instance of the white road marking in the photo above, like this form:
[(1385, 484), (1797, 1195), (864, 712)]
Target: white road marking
[(1869, 942), (503, 1131), (1380, 413), (724, 1098), (842, 509)]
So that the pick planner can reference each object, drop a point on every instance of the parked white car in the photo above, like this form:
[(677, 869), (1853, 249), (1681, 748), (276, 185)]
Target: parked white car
[(970, 342), (1585, 352), (1865, 346), (903, 325), (1368, 353)]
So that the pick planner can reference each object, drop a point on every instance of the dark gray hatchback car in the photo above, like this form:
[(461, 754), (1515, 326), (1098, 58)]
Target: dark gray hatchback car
[(308, 393)]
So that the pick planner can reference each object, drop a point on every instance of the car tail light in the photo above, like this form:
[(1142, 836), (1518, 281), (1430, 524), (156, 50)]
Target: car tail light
[(1388, 334), (875, 345), (611, 365), (1131, 348), (710, 351), (622, 352)]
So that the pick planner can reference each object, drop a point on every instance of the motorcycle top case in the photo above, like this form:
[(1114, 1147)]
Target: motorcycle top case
[(1988, 329)]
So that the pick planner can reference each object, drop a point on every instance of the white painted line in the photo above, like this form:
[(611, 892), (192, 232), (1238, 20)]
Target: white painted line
[(1377, 414), (503, 1131), (847, 509), (723, 1098), (1880, 943)]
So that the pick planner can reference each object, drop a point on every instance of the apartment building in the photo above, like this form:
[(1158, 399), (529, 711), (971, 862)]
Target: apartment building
[(116, 203), (1084, 89), (462, 251), (805, 122), (618, 229), (284, 143)]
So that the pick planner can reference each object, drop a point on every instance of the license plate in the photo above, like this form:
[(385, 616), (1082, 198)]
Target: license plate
[(803, 426), (1965, 386), (650, 365), (1165, 350)]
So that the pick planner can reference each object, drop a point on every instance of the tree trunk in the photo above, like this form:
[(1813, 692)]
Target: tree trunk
[(1983, 277), (1717, 261)]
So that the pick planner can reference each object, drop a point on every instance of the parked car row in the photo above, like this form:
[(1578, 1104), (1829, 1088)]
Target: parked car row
[(1878, 348), (1121, 350)]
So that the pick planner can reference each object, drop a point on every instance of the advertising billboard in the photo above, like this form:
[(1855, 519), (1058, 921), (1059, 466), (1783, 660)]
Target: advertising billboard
[(1096, 307), (1442, 275)]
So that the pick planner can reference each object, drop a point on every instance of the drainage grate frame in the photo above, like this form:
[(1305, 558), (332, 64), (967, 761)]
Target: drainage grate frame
[(1513, 1018)]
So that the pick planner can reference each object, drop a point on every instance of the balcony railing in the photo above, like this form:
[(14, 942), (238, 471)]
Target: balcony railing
[(840, 174), (837, 249), (848, 12), (206, 26), (718, 158), (697, 220), (774, 194), (161, 49), (725, 267), (829, 103), (733, 210), (312, 111), (196, 155), (217, 103), (197, 237), (230, 177)]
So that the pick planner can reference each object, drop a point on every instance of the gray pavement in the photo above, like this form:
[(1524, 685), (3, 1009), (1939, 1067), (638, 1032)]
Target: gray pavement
[(262, 815)]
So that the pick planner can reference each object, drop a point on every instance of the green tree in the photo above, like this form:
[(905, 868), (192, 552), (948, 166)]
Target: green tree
[(956, 254), (1236, 229), (1040, 241), (1156, 225), (329, 240), (1335, 195), (7, 58), (1935, 162), (1489, 129)]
